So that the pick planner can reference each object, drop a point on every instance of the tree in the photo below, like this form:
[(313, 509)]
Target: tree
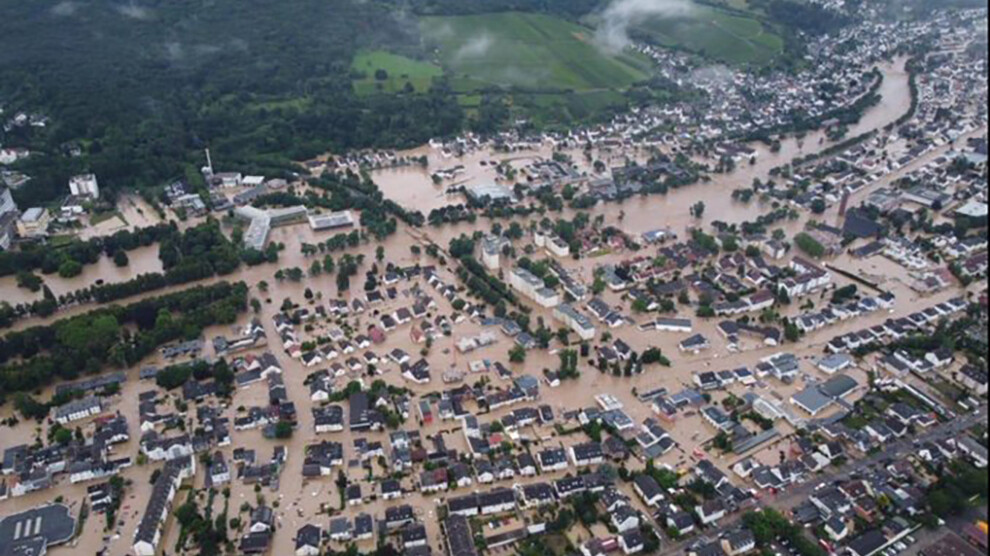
[(29, 407), (818, 205), (517, 354), (698, 209), (598, 286), (69, 269), (653, 355), (120, 258), (809, 245), (380, 253), (791, 332), (283, 430), (722, 442), (62, 436), (29, 281)]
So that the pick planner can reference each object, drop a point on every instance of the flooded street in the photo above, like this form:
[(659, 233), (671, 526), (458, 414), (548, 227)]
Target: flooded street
[(412, 186), (298, 501), (297, 497), (140, 261)]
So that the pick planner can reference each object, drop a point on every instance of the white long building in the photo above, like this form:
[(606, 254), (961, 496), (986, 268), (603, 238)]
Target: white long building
[(578, 323), (531, 286), (148, 534)]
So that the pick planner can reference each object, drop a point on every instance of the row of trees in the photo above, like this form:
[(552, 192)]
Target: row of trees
[(51, 259), (196, 254), (119, 336)]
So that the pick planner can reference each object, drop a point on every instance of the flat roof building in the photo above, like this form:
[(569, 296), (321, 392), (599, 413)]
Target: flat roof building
[(34, 531), (331, 221)]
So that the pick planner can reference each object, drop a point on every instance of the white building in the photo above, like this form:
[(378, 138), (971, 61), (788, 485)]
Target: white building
[(558, 247), (78, 409), (578, 323), (10, 155), (149, 530), (84, 185), (531, 286), (491, 252), (673, 325)]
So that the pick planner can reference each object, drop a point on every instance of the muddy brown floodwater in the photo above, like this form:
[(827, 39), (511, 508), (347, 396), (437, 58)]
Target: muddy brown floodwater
[(140, 261), (300, 501), (412, 186)]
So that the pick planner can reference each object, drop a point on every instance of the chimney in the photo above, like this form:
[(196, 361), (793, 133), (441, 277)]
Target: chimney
[(844, 204)]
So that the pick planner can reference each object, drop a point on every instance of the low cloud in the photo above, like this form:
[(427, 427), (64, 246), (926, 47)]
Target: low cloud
[(477, 47), (134, 11), (616, 19), (65, 8)]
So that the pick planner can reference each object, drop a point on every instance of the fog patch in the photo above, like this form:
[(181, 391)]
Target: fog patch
[(478, 47), (134, 11), (174, 51), (66, 8), (612, 33), (717, 76)]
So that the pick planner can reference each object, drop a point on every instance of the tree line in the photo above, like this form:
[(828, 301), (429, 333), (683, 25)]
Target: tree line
[(195, 254), (117, 335)]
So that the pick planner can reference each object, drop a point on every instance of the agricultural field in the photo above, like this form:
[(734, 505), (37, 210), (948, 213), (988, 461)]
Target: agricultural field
[(525, 51), (715, 33), (399, 71)]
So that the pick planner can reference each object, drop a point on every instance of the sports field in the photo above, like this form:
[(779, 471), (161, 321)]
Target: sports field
[(717, 34), (526, 51), (399, 71)]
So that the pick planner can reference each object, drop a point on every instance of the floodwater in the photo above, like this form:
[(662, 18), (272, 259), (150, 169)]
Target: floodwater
[(309, 501), (300, 502), (412, 186), (140, 261)]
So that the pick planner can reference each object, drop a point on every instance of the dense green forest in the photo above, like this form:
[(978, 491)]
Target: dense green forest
[(143, 86)]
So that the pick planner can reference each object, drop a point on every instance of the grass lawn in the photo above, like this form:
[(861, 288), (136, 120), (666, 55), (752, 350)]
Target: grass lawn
[(102, 217), (715, 33), (526, 51), (61, 240), (399, 69)]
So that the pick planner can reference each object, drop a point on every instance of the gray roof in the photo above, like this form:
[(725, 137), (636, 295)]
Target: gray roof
[(37, 528), (838, 386), (811, 400), (460, 540)]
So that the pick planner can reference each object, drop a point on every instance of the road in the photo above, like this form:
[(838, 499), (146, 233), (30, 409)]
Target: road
[(795, 495)]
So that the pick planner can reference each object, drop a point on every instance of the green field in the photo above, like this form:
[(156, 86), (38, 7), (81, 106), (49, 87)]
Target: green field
[(717, 34), (525, 51), (399, 69)]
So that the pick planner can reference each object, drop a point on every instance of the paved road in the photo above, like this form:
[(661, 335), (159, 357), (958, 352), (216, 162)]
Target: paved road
[(795, 495)]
